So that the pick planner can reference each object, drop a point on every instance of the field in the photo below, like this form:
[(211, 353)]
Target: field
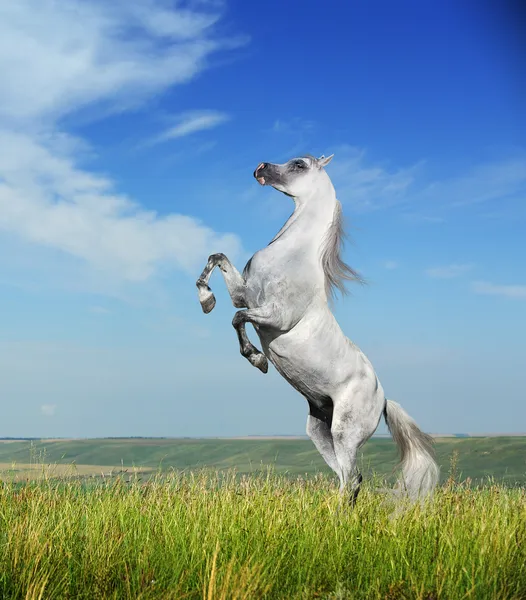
[(502, 458), (137, 531)]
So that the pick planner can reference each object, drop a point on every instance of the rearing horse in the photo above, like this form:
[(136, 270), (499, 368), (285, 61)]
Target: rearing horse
[(285, 288)]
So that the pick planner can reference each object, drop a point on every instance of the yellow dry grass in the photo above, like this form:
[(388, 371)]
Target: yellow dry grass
[(35, 472)]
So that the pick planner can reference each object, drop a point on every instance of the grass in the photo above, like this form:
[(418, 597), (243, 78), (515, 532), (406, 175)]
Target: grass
[(502, 458), (221, 537), (34, 471)]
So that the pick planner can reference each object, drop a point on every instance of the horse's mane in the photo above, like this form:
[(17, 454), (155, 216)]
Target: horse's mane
[(336, 271)]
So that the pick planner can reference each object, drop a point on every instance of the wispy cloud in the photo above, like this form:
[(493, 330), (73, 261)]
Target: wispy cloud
[(484, 183), (498, 181), (297, 133), (391, 265), (99, 310), (448, 271), (365, 186), (48, 410), (294, 126), (412, 217), (58, 58), (508, 291), (192, 122)]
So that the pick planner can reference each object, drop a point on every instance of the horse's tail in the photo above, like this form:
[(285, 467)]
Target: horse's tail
[(420, 472)]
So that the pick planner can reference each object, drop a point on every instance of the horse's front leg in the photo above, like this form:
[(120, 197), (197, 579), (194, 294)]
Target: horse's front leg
[(264, 316), (233, 279)]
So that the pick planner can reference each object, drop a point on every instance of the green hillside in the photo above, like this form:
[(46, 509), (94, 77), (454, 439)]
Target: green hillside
[(503, 458)]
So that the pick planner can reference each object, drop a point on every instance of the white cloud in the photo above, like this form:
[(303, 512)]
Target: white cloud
[(48, 410), (192, 122), (46, 200), (448, 271), (58, 57), (508, 291)]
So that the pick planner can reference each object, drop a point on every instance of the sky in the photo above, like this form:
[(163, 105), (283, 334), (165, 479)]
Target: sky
[(129, 133)]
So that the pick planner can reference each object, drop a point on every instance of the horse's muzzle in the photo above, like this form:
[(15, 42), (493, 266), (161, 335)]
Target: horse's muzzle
[(259, 173)]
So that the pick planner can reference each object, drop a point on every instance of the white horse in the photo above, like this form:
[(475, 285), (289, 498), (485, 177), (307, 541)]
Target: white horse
[(285, 288)]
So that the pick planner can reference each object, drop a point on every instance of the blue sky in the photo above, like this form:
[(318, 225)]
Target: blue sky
[(128, 137)]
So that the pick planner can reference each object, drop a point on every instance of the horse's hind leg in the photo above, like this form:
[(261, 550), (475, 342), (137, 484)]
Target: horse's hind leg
[(355, 419), (319, 431), (233, 279)]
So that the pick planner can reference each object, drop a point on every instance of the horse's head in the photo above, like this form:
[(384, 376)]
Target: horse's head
[(296, 177)]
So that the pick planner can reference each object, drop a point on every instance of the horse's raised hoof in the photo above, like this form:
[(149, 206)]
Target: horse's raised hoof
[(207, 299), (259, 360)]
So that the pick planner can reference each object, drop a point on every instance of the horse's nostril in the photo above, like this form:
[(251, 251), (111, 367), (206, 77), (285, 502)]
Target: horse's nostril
[(260, 167)]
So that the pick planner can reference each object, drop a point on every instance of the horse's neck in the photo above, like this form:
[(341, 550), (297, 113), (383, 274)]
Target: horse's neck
[(309, 222)]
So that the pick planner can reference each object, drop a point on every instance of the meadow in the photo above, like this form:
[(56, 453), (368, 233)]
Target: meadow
[(203, 532), (501, 458)]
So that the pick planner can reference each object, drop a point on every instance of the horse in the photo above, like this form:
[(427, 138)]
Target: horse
[(285, 291)]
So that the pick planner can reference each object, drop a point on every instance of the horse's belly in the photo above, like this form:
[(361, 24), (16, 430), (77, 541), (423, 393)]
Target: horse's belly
[(300, 376), (314, 357)]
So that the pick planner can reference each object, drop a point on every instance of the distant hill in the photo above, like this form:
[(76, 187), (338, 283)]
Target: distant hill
[(478, 457)]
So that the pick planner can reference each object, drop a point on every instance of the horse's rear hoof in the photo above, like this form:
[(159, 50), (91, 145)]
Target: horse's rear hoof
[(207, 299), (260, 361)]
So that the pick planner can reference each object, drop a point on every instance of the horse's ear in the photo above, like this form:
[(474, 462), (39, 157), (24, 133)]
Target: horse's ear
[(323, 162)]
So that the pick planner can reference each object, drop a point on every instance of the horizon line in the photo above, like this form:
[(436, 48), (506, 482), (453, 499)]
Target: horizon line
[(240, 437)]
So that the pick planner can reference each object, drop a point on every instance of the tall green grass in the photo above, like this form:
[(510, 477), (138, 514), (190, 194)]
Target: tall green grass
[(206, 536)]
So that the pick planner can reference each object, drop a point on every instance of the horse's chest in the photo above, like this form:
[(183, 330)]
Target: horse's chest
[(271, 278)]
